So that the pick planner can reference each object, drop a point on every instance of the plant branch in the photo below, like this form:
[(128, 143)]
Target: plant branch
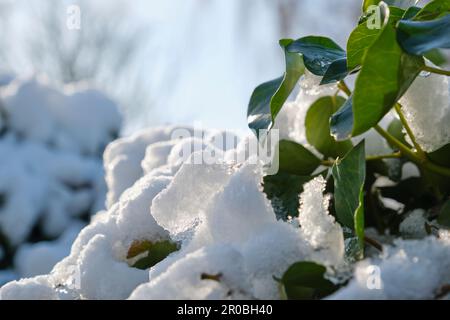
[(437, 70), (344, 88), (411, 155), (374, 243), (384, 156), (420, 152), (330, 163)]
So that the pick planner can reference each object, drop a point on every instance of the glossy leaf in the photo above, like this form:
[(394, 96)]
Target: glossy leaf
[(433, 10), (317, 127), (296, 159), (341, 122), (268, 98), (386, 74), (321, 56), (349, 177), (420, 37), (336, 71), (363, 36), (394, 3), (441, 156), (305, 280)]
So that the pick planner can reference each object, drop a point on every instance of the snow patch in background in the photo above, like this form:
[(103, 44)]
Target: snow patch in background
[(51, 172)]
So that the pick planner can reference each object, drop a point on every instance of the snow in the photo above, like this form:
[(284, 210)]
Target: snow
[(182, 280), (76, 119), (173, 183), (51, 173), (40, 258), (320, 228), (413, 226), (291, 119), (409, 269), (428, 114)]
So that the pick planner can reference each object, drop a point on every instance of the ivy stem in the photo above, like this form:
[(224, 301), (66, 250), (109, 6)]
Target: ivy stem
[(330, 163), (420, 152), (411, 155), (436, 70), (384, 156), (344, 88), (374, 243)]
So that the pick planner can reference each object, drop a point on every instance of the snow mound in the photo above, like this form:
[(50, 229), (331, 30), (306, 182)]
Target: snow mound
[(410, 269), (51, 171)]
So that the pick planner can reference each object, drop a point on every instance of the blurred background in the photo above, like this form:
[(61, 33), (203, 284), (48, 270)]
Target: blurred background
[(171, 61)]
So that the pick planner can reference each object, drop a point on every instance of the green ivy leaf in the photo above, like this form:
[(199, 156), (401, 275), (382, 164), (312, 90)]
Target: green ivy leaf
[(420, 37), (441, 156), (321, 56), (363, 37), (444, 215), (349, 176), (296, 159), (394, 3), (433, 10), (305, 281), (268, 98), (437, 57), (411, 12), (336, 71), (283, 190), (386, 74), (341, 122), (317, 127), (157, 251)]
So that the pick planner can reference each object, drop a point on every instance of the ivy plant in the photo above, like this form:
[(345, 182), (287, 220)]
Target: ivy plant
[(385, 60)]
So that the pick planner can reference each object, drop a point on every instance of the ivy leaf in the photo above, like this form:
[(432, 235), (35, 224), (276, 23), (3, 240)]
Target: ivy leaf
[(336, 71), (296, 159), (444, 215), (386, 74), (433, 10), (349, 176), (157, 251), (420, 37), (305, 281), (268, 98), (441, 156), (437, 57), (317, 126), (341, 122), (283, 190), (363, 36), (321, 56), (394, 3)]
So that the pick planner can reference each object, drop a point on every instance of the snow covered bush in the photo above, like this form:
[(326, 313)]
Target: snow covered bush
[(51, 174), (359, 207)]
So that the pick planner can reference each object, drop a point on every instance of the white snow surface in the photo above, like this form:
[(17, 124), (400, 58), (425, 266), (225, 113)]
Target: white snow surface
[(426, 106), (51, 170), (225, 227)]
